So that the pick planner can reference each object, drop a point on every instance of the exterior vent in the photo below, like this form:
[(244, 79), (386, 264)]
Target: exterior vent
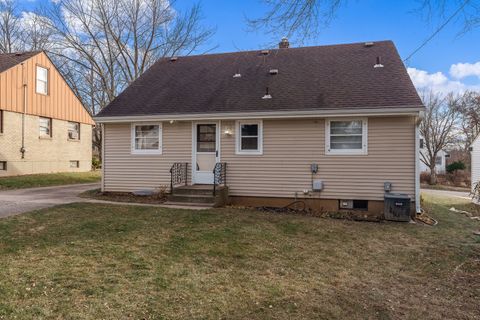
[(284, 44), (273, 71), (267, 95), (237, 75), (173, 59), (368, 44), (378, 64)]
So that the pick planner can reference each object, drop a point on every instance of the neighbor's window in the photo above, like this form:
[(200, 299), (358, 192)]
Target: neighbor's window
[(438, 161), (73, 130), (42, 80), (346, 136), (249, 137), (1, 121), (3, 165), (74, 164), (147, 138), (45, 127)]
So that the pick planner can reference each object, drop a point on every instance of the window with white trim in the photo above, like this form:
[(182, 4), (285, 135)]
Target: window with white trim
[(45, 127), (42, 80), (249, 137), (438, 160), (346, 136), (147, 138)]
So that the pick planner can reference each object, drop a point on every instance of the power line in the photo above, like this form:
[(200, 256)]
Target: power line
[(443, 25)]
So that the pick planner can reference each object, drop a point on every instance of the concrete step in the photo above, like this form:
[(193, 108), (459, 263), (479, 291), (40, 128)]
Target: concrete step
[(207, 191)]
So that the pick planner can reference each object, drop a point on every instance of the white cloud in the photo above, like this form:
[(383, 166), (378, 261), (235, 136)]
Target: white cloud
[(463, 70), (438, 82)]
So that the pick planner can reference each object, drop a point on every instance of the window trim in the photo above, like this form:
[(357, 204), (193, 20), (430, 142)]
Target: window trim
[(160, 137), (347, 152), (51, 128), (68, 131), (238, 137), (48, 80)]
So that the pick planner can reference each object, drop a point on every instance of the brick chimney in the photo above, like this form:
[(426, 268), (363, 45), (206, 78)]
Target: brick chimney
[(284, 44)]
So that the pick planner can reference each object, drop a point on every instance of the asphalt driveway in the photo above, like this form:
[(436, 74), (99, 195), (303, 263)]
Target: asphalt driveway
[(23, 200)]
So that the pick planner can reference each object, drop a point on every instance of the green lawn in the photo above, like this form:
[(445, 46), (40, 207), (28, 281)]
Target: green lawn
[(91, 261), (50, 179)]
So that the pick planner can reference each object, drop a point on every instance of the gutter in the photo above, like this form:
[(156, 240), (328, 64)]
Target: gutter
[(24, 87), (387, 111)]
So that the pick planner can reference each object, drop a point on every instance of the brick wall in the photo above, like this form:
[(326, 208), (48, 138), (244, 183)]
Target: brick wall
[(42, 155)]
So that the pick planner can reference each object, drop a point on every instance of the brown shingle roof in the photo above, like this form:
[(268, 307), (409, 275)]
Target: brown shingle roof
[(8, 60), (309, 78)]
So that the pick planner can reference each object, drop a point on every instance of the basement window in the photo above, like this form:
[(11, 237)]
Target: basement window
[(3, 165), (42, 80), (249, 137), (74, 164), (346, 136), (147, 138)]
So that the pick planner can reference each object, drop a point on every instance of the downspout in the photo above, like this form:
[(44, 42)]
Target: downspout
[(418, 120), (24, 87)]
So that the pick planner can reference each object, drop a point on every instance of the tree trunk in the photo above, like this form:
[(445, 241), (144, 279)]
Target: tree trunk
[(433, 175)]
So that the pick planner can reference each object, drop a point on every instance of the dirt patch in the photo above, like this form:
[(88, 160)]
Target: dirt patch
[(97, 194)]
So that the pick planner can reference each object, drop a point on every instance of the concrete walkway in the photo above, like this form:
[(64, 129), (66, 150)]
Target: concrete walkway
[(446, 193), (14, 202)]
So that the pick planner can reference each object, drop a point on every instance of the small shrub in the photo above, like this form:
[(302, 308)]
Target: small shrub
[(96, 164), (454, 166)]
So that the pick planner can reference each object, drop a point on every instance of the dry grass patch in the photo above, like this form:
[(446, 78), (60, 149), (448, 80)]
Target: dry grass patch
[(48, 179), (86, 261)]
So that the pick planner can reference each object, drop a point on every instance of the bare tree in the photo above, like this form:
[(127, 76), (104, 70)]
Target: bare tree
[(470, 116), (10, 26), (438, 127), (104, 45), (305, 18)]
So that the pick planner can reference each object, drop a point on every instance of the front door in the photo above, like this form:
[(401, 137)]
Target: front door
[(205, 148)]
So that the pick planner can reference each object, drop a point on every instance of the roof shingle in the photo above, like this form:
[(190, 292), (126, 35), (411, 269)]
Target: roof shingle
[(8, 60), (309, 78)]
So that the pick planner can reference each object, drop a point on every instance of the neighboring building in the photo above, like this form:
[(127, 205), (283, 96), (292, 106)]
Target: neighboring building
[(328, 125), (440, 161), (475, 161), (43, 126)]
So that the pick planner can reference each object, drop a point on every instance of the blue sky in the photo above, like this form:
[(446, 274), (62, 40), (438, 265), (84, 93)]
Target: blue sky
[(358, 21)]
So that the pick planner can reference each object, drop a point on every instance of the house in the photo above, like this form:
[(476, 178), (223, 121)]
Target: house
[(43, 126), (333, 126), (440, 160), (475, 163)]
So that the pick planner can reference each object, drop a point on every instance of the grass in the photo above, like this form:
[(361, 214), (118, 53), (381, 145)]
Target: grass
[(50, 179), (91, 261), (443, 187), (97, 194)]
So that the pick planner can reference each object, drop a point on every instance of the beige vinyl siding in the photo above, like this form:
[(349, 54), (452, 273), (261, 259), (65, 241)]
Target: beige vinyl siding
[(289, 147), (60, 102), (124, 171)]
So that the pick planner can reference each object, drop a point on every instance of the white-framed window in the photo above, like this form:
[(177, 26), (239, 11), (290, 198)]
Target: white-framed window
[(438, 161), (45, 127), (249, 137), (74, 164), (147, 138), (42, 80), (73, 130), (346, 136)]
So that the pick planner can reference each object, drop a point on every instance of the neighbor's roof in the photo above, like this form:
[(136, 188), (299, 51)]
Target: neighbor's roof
[(309, 78), (8, 60)]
